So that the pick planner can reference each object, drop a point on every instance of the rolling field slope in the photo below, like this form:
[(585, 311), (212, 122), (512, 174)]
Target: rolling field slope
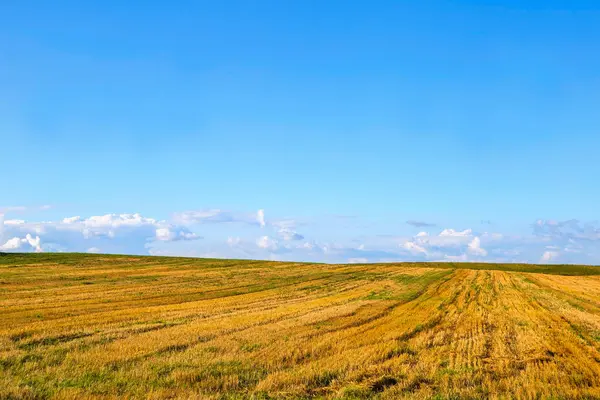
[(87, 326)]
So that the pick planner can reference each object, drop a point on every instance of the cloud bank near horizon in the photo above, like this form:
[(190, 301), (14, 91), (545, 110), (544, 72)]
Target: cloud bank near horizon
[(255, 235)]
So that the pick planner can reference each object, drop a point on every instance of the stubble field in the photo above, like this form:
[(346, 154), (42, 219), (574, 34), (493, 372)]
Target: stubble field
[(96, 326)]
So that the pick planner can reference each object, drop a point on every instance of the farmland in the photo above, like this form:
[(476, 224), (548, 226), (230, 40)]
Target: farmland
[(97, 326)]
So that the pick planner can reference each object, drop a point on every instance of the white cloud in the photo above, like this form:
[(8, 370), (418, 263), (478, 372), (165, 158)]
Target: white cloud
[(549, 256), (168, 234), (550, 241), (93, 250), (121, 233), (475, 248), (286, 230), (425, 243), (453, 233), (111, 221), (414, 248), (17, 243), (34, 243), (449, 244), (265, 242), (260, 218), (11, 244)]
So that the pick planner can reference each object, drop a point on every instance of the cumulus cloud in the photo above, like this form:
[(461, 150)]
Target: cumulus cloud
[(121, 233), (26, 243), (449, 244), (447, 238), (239, 236), (71, 220), (414, 248), (11, 244), (453, 233), (475, 248)]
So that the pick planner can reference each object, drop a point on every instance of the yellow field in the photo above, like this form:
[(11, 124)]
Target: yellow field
[(74, 326)]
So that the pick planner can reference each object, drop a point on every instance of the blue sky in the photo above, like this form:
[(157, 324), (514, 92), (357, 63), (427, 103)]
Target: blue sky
[(341, 120)]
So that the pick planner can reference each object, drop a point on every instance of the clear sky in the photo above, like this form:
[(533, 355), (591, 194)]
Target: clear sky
[(477, 121)]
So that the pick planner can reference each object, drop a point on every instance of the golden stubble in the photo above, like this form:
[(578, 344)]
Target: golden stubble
[(116, 327)]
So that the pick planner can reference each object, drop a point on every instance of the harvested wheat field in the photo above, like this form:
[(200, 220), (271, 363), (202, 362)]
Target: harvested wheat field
[(95, 326)]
